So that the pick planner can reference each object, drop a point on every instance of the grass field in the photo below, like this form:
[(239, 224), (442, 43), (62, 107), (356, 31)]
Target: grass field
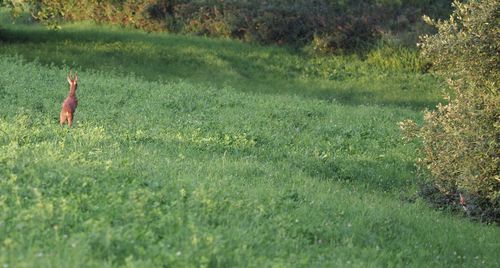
[(213, 153)]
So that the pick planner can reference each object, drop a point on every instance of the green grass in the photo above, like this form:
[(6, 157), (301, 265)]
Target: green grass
[(220, 63), (196, 152)]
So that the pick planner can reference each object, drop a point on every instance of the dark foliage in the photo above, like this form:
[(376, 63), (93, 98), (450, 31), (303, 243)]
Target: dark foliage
[(329, 26), (324, 25)]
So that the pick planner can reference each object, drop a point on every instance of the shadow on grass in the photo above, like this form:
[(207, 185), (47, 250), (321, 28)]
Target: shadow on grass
[(212, 62), (382, 175)]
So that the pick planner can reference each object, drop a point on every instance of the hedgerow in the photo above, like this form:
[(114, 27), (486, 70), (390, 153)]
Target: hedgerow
[(325, 25)]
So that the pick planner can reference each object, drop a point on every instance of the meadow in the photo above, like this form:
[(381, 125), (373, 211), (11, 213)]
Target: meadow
[(196, 152)]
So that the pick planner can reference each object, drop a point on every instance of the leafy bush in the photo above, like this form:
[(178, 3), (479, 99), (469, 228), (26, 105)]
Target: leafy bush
[(329, 26), (130, 13), (460, 139)]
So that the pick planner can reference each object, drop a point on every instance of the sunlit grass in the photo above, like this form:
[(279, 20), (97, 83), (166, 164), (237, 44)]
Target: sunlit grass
[(213, 62), (197, 152)]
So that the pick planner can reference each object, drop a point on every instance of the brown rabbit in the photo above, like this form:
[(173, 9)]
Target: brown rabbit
[(69, 105)]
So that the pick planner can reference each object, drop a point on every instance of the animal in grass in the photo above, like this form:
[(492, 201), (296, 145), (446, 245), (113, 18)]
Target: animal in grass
[(468, 206), (463, 203), (69, 105)]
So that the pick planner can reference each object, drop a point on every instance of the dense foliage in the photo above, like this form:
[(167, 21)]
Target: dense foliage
[(324, 25), (328, 26), (461, 139), (52, 12)]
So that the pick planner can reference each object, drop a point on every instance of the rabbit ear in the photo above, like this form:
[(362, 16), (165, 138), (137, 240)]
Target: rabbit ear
[(76, 77)]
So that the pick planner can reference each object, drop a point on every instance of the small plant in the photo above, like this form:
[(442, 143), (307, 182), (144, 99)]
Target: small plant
[(395, 58)]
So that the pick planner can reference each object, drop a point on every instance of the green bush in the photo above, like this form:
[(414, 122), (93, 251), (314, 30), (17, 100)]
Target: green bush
[(460, 139), (328, 26), (130, 13)]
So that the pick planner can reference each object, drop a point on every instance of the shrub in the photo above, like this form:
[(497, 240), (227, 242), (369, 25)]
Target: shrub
[(460, 139), (328, 26), (131, 13)]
